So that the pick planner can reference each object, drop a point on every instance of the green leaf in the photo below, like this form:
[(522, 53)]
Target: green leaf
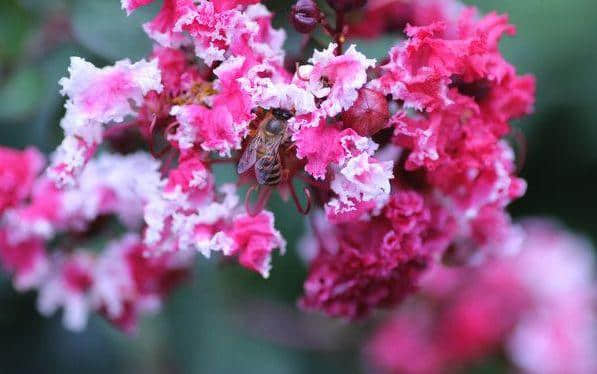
[(21, 94), (14, 27), (104, 28)]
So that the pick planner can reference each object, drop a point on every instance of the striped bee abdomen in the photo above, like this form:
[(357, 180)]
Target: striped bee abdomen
[(268, 170)]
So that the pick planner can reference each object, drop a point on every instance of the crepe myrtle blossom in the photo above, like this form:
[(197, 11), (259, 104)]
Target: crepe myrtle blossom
[(18, 170), (96, 98), (412, 148), (335, 80), (380, 16), (449, 151), (536, 308), (52, 241)]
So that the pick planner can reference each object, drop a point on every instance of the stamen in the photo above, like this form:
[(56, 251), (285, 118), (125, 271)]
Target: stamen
[(313, 183), (297, 203), (161, 152), (167, 147), (262, 200), (171, 126), (168, 161), (315, 230), (151, 130), (153, 122)]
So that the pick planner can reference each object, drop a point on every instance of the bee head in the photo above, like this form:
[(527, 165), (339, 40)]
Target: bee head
[(282, 114), (275, 126)]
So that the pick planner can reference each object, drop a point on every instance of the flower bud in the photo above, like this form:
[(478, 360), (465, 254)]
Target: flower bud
[(304, 16), (368, 114), (346, 5)]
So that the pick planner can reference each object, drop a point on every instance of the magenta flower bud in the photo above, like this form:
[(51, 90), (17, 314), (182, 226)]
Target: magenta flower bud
[(346, 5), (368, 114), (304, 16)]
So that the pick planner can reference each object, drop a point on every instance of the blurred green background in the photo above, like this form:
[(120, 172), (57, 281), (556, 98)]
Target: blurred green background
[(227, 319)]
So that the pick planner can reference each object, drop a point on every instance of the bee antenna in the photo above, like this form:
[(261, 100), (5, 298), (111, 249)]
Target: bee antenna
[(304, 211)]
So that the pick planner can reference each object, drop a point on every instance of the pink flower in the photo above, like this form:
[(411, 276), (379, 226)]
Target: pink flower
[(420, 68), (178, 74), (253, 240), (80, 281), (191, 177), (321, 146), (176, 221), (39, 216), (128, 282), (104, 95), (212, 129), (18, 170), (371, 263), (405, 163), (555, 341), (336, 79), (26, 260), (67, 288), (166, 28), (542, 320), (231, 94), (97, 97), (361, 179), (221, 5), (131, 5), (364, 272), (381, 16)]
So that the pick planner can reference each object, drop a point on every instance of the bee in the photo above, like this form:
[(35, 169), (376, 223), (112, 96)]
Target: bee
[(263, 149)]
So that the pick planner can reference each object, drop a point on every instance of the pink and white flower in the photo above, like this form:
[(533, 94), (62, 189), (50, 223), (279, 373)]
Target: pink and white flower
[(96, 98), (542, 320), (405, 163), (18, 170), (335, 79)]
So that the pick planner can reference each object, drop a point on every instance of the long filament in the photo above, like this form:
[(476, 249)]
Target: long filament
[(262, 199), (304, 211)]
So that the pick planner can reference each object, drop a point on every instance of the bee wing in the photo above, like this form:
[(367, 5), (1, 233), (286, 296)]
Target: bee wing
[(248, 157), (263, 167)]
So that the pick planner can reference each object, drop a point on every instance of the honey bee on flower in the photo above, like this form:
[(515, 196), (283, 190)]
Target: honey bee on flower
[(263, 149)]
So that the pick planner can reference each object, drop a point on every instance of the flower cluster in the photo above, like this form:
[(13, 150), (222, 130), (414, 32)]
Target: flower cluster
[(452, 172), (536, 306), (50, 239), (403, 161)]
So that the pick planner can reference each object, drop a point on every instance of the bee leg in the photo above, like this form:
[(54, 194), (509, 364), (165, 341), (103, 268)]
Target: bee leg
[(290, 147)]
